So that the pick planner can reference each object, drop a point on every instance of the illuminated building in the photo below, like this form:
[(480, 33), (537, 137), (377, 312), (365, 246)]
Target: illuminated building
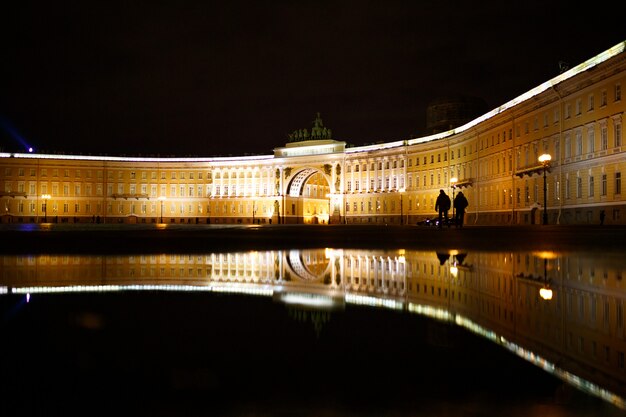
[(576, 117)]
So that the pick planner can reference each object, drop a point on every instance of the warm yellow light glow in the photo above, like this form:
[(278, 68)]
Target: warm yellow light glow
[(453, 181), (162, 198), (454, 270), (545, 254), (46, 196), (545, 293), (545, 158)]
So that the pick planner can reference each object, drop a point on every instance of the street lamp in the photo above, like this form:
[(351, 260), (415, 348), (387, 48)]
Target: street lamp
[(401, 209), (45, 198), (330, 197), (162, 199), (453, 182), (545, 161)]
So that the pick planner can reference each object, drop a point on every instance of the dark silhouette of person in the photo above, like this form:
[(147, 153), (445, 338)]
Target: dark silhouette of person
[(602, 216), (460, 204), (442, 205)]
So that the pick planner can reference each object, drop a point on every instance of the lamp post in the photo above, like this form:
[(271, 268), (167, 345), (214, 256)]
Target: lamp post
[(545, 161), (453, 182), (162, 199), (401, 208), (45, 198), (330, 197)]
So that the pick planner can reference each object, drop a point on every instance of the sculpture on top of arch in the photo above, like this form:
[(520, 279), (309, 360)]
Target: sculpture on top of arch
[(318, 132)]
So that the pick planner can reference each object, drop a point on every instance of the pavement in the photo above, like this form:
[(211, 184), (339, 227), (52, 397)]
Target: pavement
[(151, 238)]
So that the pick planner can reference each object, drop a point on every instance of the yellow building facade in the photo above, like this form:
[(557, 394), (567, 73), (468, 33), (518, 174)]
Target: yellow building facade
[(576, 118)]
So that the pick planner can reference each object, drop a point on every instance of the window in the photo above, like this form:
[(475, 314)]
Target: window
[(618, 183), (618, 92), (604, 140), (590, 103), (603, 98), (557, 115), (603, 191), (591, 140), (579, 187), (618, 134), (579, 105), (591, 186)]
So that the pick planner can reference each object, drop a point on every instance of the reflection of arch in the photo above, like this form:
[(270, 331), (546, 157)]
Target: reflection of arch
[(297, 264), (298, 181)]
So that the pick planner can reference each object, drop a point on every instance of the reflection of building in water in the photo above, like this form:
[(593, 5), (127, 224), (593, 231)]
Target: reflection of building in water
[(578, 334)]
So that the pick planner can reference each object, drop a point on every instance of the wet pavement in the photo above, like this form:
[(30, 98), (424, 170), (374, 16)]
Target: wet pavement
[(100, 238)]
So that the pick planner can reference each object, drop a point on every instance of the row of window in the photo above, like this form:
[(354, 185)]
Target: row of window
[(8, 171)]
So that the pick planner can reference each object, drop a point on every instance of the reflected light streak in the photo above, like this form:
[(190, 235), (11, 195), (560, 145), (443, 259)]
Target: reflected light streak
[(115, 288), (307, 300), (374, 302), (574, 380)]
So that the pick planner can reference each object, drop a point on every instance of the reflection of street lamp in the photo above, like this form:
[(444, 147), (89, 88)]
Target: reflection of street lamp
[(162, 199), (45, 198), (401, 209), (545, 291), (453, 182), (545, 161)]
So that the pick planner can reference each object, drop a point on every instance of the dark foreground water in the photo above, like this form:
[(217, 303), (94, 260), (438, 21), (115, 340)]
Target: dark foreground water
[(313, 332), (173, 354)]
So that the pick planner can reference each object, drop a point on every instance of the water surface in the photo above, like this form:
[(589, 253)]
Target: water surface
[(314, 332)]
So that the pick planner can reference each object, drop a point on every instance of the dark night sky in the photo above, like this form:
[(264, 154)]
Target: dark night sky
[(235, 77)]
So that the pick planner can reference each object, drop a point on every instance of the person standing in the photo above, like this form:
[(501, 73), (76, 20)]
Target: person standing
[(442, 205), (460, 204)]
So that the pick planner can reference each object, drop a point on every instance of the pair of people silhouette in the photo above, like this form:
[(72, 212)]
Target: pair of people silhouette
[(443, 204)]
